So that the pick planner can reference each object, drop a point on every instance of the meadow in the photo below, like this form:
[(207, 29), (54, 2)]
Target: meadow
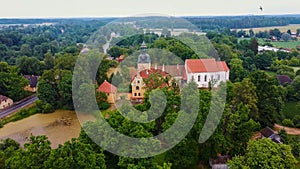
[(292, 27)]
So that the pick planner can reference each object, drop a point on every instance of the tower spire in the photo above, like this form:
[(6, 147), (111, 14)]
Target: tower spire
[(143, 47)]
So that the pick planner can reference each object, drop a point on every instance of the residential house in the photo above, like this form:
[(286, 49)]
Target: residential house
[(267, 132), (5, 102), (283, 79), (269, 48), (33, 81), (110, 91)]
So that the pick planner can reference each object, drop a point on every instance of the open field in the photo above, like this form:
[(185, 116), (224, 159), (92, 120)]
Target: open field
[(292, 27), (291, 44), (279, 44), (60, 126)]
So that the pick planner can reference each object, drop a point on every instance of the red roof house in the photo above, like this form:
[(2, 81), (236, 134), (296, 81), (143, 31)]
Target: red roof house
[(110, 91)]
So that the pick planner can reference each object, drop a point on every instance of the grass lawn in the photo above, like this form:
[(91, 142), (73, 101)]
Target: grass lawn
[(290, 110)]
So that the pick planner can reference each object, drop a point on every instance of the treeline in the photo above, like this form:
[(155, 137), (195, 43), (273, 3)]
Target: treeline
[(239, 22)]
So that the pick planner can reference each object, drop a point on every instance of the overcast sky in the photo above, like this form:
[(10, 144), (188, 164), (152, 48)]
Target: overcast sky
[(101, 8)]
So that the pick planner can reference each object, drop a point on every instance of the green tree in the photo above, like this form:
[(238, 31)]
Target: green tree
[(76, 155), (265, 153), (269, 103), (29, 66), (11, 82), (34, 154), (253, 46), (237, 71), (286, 37), (49, 60)]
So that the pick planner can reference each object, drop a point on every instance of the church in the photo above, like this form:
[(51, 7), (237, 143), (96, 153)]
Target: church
[(205, 72)]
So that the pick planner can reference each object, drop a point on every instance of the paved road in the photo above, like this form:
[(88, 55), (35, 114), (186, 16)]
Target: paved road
[(17, 106)]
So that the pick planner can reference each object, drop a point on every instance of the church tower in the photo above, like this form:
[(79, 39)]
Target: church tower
[(144, 61)]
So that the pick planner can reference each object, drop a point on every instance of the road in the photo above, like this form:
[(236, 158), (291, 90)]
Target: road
[(17, 106)]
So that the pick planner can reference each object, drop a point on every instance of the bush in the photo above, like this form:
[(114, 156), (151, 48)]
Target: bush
[(44, 107), (104, 105), (288, 123), (296, 121)]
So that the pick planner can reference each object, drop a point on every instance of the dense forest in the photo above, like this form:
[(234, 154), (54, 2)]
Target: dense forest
[(255, 97)]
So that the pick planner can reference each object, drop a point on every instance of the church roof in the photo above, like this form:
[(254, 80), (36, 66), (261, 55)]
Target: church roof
[(205, 65), (106, 87)]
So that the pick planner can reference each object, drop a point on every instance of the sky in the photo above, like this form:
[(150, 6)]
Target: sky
[(124, 8)]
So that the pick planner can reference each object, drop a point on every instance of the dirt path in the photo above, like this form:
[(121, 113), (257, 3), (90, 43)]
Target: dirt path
[(60, 126), (289, 130)]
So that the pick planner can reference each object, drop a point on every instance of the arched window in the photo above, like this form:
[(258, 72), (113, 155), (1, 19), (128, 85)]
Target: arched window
[(137, 88), (138, 81), (134, 94), (139, 94)]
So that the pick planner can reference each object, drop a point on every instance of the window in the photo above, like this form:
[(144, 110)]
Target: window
[(199, 78), (134, 94), (212, 77), (137, 88), (219, 77), (138, 81), (107, 94), (139, 94), (205, 78)]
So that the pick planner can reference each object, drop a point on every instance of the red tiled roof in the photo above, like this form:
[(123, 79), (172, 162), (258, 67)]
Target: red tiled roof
[(145, 73), (106, 87), (205, 65), (225, 66)]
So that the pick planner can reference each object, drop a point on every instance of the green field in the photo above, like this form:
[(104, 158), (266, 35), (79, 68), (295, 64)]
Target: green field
[(291, 44)]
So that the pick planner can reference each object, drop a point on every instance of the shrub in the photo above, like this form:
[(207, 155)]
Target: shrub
[(296, 121), (103, 105), (288, 123), (44, 107)]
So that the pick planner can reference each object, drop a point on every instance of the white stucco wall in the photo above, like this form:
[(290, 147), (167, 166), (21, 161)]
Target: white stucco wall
[(221, 76)]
